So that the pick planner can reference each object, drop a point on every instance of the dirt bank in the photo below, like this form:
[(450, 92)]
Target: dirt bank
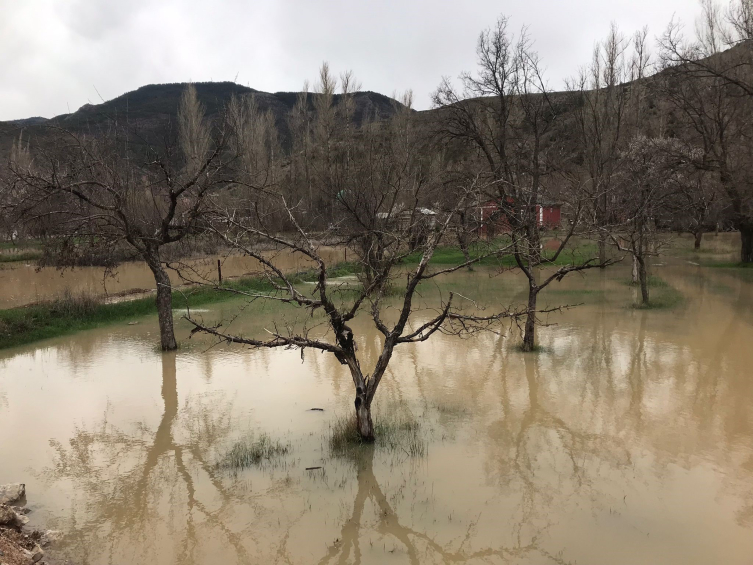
[(18, 544)]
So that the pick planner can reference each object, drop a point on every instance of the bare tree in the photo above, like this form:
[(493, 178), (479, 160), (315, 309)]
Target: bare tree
[(655, 171), (697, 207), (486, 117), (410, 327), (321, 123), (601, 116), (507, 115), (393, 181), (710, 93), (110, 187)]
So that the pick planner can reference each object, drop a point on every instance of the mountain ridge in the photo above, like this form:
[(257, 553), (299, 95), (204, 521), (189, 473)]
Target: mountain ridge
[(152, 105)]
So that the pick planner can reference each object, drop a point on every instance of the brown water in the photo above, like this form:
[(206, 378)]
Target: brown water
[(23, 284), (628, 439)]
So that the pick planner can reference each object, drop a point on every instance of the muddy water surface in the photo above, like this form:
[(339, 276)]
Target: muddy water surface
[(23, 284), (627, 439)]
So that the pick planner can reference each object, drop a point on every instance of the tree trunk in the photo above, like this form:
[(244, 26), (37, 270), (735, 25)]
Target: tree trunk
[(164, 300), (534, 239), (529, 336), (636, 278), (363, 417), (536, 249), (643, 276), (463, 243), (601, 219), (698, 238), (602, 250), (746, 235)]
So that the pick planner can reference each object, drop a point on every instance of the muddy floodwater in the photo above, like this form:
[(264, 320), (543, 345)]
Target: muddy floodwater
[(22, 284), (627, 439)]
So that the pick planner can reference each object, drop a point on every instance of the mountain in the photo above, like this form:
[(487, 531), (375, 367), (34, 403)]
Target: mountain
[(36, 120), (150, 107)]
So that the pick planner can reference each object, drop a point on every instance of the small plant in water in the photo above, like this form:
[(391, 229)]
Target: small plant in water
[(536, 349), (450, 409), (250, 452), (393, 432)]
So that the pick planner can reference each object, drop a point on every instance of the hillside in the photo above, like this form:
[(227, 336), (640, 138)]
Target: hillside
[(148, 108)]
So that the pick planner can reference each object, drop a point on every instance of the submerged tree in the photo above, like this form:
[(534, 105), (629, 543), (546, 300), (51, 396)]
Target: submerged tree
[(655, 172), (708, 83), (504, 122), (698, 207), (110, 187), (383, 185), (601, 114), (337, 336)]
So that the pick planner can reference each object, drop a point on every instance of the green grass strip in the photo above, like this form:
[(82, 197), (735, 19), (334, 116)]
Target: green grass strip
[(27, 324), (727, 265), (452, 255), (17, 257)]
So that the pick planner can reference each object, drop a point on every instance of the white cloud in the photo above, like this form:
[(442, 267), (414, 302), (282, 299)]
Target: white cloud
[(53, 53)]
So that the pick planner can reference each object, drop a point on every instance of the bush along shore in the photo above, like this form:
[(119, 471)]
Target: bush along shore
[(70, 313)]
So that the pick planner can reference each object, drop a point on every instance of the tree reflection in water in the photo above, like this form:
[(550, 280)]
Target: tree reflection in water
[(419, 547), (140, 490)]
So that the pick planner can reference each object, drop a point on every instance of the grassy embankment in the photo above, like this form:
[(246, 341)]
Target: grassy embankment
[(27, 251), (69, 314), (20, 257), (452, 255)]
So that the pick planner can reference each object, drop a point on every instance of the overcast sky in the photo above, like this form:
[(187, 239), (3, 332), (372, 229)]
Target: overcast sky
[(56, 55)]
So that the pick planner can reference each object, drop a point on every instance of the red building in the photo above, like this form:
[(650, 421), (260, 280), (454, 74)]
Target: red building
[(550, 215), (493, 220)]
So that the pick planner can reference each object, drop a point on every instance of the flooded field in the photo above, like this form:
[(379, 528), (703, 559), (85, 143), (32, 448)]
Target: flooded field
[(23, 284), (627, 439)]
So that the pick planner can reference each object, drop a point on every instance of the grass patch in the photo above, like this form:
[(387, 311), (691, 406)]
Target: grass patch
[(339, 270), (20, 257), (452, 255), (21, 244), (65, 315), (251, 452), (393, 432), (728, 265), (450, 409), (69, 314), (665, 296)]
